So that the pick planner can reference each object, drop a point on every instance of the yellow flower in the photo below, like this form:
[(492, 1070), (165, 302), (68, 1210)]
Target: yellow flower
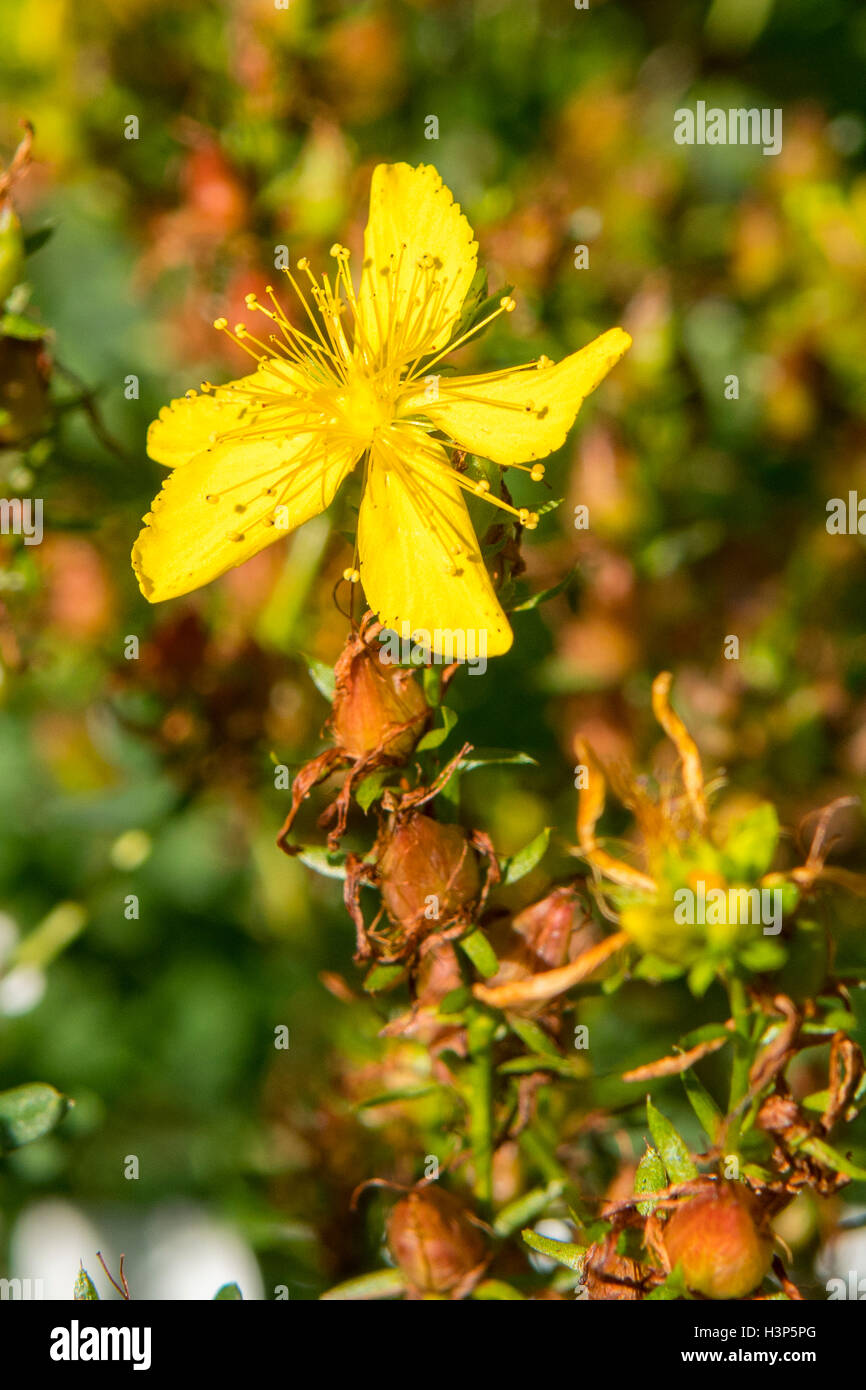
[(258, 457)]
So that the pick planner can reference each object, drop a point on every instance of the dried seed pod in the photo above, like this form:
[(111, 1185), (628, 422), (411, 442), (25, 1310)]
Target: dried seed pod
[(435, 1243), (428, 872), (377, 707), (721, 1241)]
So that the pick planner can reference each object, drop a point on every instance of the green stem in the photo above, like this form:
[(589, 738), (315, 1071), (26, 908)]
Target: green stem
[(480, 1031), (742, 1060)]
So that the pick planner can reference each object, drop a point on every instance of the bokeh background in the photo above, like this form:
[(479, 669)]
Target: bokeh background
[(259, 127)]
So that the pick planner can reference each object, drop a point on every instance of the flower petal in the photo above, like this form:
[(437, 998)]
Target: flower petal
[(190, 425), (407, 308), (420, 560), (229, 502), (526, 414)]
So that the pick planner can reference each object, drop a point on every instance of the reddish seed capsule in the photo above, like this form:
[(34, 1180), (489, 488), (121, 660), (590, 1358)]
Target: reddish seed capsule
[(430, 872), (373, 704), (721, 1243), (434, 1243)]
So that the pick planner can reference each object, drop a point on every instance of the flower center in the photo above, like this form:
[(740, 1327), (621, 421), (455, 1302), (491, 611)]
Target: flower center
[(362, 409)]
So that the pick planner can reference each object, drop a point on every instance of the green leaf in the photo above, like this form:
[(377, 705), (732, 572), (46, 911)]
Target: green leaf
[(35, 240), (534, 1036), (524, 861), (85, 1289), (382, 1283), (455, 1001), (228, 1291), (527, 1208), (751, 844), (485, 757), (762, 956), (17, 326), (563, 1251), (650, 1177), (673, 1287), (434, 737), (824, 1153), (708, 1113), (371, 788), (322, 677), (28, 1112), (481, 953), (545, 594), (402, 1094), (701, 976), (431, 679), (330, 863), (496, 1290), (671, 1146), (381, 977)]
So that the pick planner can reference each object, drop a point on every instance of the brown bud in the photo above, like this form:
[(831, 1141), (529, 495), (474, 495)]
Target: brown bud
[(376, 707), (428, 871), (434, 1242), (721, 1242)]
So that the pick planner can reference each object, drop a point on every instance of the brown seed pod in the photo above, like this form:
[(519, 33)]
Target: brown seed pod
[(428, 872), (722, 1242), (435, 1242), (378, 715)]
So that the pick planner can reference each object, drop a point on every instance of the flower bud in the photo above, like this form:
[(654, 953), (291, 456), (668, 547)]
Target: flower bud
[(428, 871), (721, 1243), (434, 1242), (373, 704)]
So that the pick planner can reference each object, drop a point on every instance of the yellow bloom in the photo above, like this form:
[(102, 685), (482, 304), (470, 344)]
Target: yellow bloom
[(258, 457)]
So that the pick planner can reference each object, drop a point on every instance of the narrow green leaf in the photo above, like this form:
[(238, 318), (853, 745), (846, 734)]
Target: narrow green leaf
[(496, 1290), (650, 1177), (36, 239), (545, 594), (434, 737), (382, 1283), (671, 1146), (524, 861), (381, 977), (28, 1112), (527, 1208), (824, 1153), (481, 953), (563, 1251), (534, 1036), (371, 788), (329, 863), (322, 677), (708, 1113), (403, 1093), (485, 757)]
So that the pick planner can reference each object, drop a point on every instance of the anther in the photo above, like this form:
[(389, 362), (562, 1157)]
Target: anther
[(220, 324), (543, 362), (351, 576), (536, 472), (508, 304), (482, 486)]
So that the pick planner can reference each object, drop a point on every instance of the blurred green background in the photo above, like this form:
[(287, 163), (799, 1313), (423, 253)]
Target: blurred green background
[(259, 127)]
